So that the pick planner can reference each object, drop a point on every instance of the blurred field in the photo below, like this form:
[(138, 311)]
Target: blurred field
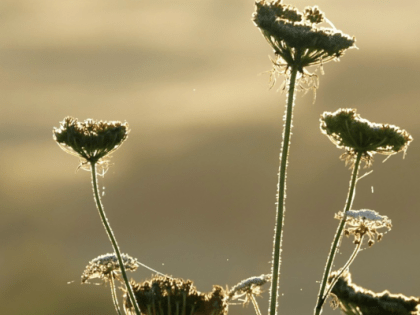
[(192, 191)]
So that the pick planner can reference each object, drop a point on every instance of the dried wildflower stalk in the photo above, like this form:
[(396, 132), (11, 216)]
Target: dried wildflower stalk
[(298, 42), (167, 296), (355, 300), (107, 268), (92, 141), (359, 223), (361, 139)]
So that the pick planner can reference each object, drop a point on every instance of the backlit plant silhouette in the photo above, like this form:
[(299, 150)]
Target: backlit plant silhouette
[(92, 141), (299, 41), (361, 140)]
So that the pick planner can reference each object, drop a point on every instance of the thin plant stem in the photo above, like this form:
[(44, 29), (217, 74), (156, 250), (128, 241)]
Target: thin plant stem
[(112, 238), (254, 302), (281, 194), (335, 244), (345, 267), (114, 295)]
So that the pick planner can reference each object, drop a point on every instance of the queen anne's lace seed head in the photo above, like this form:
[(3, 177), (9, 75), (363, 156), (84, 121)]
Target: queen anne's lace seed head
[(249, 286), (169, 296), (354, 299), (90, 140), (364, 222), (296, 38), (106, 266), (347, 130)]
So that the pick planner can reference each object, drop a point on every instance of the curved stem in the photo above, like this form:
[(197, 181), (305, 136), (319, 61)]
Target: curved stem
[(112, 238), (281, 194), (345, 267), (335, 244), (114, 295)]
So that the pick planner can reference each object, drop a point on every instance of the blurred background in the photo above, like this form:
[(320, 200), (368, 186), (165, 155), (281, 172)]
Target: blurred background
[(192, 191)]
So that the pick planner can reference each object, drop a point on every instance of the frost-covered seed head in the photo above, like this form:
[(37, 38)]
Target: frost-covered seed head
[(364, 222), (106, 266), (250, 285)]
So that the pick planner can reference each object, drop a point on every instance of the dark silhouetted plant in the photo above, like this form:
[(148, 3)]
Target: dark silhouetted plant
[(361, 140), (298, 42)]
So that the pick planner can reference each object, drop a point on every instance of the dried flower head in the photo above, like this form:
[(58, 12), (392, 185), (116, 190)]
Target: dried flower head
[(364, 222), (106, 266), (296, 38), (355, 300), (166, 296), (90, 140), (348, 130), (248, 286)]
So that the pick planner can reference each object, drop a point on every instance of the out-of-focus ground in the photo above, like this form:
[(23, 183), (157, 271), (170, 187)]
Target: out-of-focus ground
[(192, 191)]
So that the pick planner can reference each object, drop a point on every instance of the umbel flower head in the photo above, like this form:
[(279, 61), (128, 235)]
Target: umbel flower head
[(90, 140), (354, 299), (297, 39), (170, 296), (248, 286), (364, 222), (106, 266), (347, 130)]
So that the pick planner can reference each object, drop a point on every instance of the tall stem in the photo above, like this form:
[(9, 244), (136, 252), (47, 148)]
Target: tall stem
[(335, 244), (281, 194), (112, 238)]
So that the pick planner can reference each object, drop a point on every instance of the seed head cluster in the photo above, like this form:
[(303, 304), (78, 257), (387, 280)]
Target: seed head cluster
[(168, 296), (106, 266), (364, 222), (353, 299), (347, 130), (249, 286), (297, 38), (90, 140)]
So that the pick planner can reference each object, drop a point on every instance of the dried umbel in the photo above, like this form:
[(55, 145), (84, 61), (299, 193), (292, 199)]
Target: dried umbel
[(297, 39), (90, 140), (167, 296), (248, 286), (355, 300), (364, 222), (347, 130), (107, 266)]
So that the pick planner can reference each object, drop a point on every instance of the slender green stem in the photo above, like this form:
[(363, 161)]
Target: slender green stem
[(281, 194), (114, 295), (335, 244), (112, 238), (345, 267)]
